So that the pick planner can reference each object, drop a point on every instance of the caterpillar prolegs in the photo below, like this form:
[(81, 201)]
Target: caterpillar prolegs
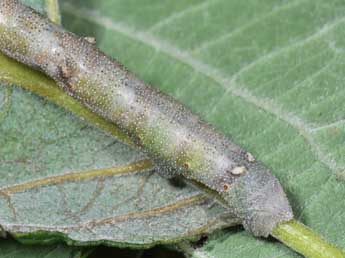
[(162, 127)]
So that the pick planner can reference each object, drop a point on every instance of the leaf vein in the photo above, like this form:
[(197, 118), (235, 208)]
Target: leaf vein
[(240, 29), (181, 14), (138, 166)]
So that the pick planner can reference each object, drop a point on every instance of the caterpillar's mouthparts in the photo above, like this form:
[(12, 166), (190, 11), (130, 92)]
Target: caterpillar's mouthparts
[(261, 201)]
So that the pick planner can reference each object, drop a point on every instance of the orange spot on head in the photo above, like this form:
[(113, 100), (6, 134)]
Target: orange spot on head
[(225, 187)]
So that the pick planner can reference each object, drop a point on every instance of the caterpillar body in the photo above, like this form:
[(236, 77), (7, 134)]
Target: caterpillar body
[(177, 139)]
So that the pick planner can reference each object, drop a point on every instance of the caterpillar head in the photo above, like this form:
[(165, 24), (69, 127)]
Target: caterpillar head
[(259, 200)]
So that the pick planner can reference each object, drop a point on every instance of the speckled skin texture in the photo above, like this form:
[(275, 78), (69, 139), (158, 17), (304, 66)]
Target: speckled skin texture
[(177, 139)]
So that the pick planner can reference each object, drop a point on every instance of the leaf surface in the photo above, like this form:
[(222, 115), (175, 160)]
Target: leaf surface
[(63, 179), (11, 249), (72, 181), (267, 73)]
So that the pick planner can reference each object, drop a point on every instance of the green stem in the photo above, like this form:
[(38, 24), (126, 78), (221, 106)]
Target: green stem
[(305, 241), (53, 10), (45, 87)]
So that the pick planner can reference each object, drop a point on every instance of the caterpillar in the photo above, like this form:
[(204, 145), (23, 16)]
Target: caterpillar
[(180, 143)]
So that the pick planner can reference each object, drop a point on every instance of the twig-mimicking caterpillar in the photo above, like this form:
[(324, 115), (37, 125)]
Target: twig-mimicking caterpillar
[(172, 135)]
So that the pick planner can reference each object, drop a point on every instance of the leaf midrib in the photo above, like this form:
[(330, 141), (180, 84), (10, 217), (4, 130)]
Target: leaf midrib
[(180, 204)]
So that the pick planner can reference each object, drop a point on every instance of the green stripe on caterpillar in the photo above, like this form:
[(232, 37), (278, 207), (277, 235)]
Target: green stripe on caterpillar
[(177, 139)]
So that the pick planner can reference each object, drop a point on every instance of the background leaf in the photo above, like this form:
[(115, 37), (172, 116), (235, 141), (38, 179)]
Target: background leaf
[(268, 73), (11, 249), (72, 181), (39, 5), (64, 180)]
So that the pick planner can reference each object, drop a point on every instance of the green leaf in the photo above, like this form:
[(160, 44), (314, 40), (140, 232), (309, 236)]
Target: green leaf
[(65, 180), (39, 5), (267, 73), (10, 248), (14, 249), (70, 181)]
